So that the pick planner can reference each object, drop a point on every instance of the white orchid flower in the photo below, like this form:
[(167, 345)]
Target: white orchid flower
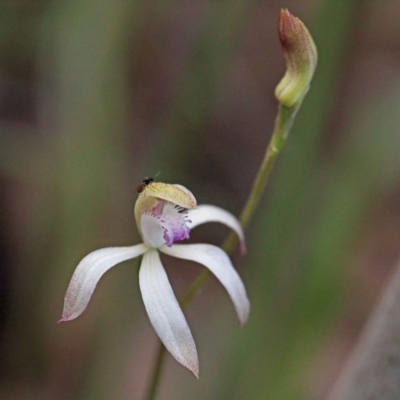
[(164, 214)]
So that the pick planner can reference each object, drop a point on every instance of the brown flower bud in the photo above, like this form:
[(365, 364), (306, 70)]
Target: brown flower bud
[(301, 59)]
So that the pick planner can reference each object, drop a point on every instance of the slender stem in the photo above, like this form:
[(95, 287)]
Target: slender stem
[(283, 124), (156, 375)]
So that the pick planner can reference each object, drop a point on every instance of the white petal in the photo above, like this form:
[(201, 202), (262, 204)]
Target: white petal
[(152, 231), (88, 273), (165, 313), (217, 261), (208, 213), (168, 225)]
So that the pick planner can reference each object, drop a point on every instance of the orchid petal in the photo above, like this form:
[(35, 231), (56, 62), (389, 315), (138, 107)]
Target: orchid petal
[(208, 213), (217, 261), (166, 225), (88, 273), (165, 313), (151, 229)]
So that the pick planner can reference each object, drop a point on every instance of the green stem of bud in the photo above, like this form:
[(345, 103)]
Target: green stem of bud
[(283, 123)]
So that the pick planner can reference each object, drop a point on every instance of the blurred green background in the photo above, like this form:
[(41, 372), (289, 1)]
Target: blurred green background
[(95, 95)]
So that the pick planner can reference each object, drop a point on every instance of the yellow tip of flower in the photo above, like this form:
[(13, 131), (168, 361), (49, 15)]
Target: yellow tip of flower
[(176, 194)]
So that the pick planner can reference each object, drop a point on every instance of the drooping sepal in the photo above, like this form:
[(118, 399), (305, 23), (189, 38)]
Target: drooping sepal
[(165, 314), (218, 262), (88, 273)]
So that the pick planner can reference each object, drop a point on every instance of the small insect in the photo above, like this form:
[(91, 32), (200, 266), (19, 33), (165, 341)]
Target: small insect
[(145, 182)]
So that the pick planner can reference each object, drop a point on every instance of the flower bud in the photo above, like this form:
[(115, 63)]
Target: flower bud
[(301, 58)]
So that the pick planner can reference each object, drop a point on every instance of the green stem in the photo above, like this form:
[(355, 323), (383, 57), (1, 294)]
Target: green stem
[(156, 375), (283, 124)]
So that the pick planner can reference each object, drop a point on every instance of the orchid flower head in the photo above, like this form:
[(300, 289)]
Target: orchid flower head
[(165, 214)]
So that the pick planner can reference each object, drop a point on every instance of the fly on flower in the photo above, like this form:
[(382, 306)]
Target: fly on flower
[(145, 182), (165, 214)]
